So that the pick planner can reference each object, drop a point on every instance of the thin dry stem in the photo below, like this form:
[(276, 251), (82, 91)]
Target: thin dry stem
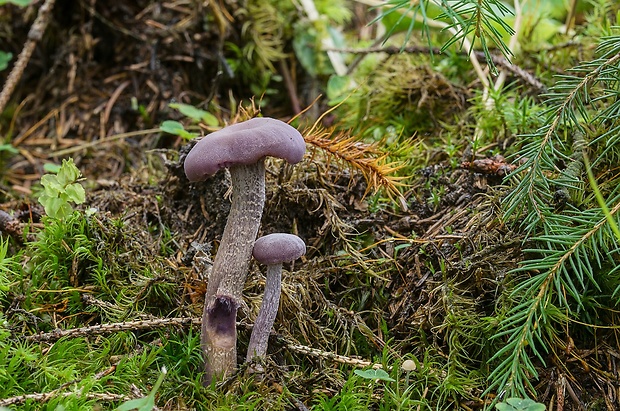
[(58, 392), (498, 60), (357, 362), (42, 397), (103, 329), (183, 322), (34, 36)]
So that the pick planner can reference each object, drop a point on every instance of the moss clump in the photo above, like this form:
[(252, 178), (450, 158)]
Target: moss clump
[(404, 94)]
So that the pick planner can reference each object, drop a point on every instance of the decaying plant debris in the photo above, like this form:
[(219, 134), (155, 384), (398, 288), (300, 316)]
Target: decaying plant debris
[(397, 267)]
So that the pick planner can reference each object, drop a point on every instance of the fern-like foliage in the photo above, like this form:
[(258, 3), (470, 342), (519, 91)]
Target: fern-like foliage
[(575, 253)]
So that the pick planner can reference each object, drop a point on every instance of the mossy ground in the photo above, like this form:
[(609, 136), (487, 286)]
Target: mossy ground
[(424, 277)]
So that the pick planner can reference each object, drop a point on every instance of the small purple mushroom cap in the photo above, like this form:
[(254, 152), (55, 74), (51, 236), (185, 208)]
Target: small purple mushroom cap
[(244, 143), (278, 248)]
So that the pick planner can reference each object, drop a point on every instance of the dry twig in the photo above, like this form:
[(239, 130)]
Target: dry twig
[(184, 322), (34, 36), (46, 396), (112, 328), (499, 61), (356, 362)]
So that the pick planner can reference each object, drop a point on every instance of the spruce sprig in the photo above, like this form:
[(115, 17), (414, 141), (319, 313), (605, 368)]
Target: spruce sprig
[(482, 21), (575, 251), (574, 256), (572, 104)]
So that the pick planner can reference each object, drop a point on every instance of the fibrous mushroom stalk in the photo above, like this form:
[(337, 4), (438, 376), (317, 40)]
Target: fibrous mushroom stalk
[(267, 314), (230, 269)]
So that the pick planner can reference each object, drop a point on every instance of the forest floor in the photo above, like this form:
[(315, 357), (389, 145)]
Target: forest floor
[(386, 278)]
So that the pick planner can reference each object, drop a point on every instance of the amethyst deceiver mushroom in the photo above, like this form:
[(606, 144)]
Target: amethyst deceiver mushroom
[(241, 148), (271, 250)]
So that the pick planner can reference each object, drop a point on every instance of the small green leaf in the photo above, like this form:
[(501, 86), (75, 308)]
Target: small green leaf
[(172, 127), (5, 58), (75, 192), (210, 120), (146, 403), (520, 404), (53, 206), (7, 147), (51, 168), (68, 172), (189, 111), (20, 3), (60, 189), (51, 184), (132, 404), (195, 113), (177, 129), (373, 374)]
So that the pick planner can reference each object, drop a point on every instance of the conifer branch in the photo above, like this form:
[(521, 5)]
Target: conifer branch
[(367, 158), (565, 101), (570, 177), (576, 248)]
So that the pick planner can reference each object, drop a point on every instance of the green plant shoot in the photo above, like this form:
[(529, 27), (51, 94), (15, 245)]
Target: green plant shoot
[(177, 129), (599, 198), (61, 189), (146, 403), (520, 404), (197, 115), (21, 3), (5, 58), (373, 374)]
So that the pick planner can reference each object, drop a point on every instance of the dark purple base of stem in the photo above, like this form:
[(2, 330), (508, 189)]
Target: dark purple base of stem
[(219, 330)]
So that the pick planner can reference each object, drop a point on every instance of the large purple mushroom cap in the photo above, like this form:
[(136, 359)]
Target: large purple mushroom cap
[(244, 143), (278, 248)]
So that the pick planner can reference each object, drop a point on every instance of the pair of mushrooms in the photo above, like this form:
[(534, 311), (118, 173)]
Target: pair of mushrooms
[(242, 148)]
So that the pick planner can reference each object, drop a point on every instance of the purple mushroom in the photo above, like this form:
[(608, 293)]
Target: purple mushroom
[(271, 250), (241, 148)]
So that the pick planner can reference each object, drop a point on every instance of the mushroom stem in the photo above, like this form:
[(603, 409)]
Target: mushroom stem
[(219, 337), (267, 314), (230, 268)]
